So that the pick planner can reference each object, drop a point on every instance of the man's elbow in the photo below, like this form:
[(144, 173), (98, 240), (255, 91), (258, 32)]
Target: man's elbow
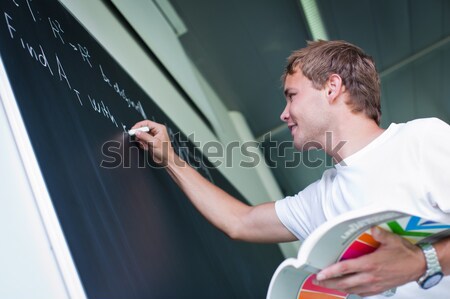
[(236, 232), (241, 227)]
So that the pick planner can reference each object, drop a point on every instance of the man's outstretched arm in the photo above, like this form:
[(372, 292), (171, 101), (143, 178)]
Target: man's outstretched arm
[(236, 219)]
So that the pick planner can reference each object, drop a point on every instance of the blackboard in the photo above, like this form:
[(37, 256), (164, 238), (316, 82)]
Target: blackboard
[(131, 232)]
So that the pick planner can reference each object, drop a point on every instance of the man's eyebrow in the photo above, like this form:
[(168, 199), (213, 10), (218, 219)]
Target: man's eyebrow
[(287, 91)]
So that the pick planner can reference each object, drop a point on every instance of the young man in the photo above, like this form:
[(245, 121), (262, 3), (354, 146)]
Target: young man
[(333, 86)]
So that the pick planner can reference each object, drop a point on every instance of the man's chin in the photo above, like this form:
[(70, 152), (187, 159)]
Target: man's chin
[(303, 146)]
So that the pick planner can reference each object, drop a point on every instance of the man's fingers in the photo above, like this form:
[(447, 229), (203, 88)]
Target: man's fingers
[(339, 269), (384, 237), (143, 136), (357, 283), (357, 264), (145, 123), (154, 127), (380, 235)]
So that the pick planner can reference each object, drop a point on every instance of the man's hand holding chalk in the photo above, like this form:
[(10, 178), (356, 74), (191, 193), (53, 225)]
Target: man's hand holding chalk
[(154, 138)]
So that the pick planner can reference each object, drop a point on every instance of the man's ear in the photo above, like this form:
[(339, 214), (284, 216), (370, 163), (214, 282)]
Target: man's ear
[(334, 87)]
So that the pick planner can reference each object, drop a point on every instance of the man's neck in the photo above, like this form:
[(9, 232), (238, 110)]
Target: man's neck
[(351, 136)]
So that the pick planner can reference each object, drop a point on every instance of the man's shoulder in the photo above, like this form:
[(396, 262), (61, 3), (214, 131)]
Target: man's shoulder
[(423, 128), (426, 124)]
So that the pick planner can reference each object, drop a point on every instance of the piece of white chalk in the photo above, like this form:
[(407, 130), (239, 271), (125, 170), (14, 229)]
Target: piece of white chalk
[(132, 132)]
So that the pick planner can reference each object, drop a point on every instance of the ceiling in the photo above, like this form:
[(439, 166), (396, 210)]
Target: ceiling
[(240, 47)]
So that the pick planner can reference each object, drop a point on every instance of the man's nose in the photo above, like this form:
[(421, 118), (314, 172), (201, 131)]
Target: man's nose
[(285, 114)]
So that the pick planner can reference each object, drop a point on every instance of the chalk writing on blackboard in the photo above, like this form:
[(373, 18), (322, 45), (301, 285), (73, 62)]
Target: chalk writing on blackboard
[(39, 54), (121, 92), (56, 29), (101, 108), (52, 62)]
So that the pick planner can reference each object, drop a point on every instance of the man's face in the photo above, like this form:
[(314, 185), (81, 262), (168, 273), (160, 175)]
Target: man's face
[(305, 112)]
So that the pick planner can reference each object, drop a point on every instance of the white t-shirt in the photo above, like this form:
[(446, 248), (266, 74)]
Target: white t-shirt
[(407, 167)]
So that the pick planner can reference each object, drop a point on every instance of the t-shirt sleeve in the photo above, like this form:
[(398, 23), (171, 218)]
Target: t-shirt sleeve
[(435, 163), (302, 213)]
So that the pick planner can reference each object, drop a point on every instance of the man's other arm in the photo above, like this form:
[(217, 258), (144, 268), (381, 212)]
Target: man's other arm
[(393, 264)]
